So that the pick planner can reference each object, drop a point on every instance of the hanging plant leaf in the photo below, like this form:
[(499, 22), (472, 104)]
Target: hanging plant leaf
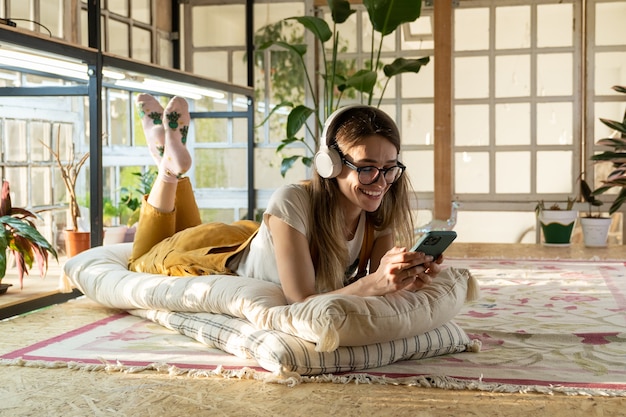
[(318, 27), (387, 15), (297, 118), (403, 65), (340, 10)]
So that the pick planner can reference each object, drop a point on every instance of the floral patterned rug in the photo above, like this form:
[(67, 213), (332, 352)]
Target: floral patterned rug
[(545, 326)]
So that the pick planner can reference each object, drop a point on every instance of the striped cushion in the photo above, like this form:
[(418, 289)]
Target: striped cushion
[(280, 352)]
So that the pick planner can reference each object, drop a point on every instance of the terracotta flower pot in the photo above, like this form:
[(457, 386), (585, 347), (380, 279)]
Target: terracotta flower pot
[(76, 242)]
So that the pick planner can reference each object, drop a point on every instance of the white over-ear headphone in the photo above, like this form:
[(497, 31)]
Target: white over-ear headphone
[(327, 160)]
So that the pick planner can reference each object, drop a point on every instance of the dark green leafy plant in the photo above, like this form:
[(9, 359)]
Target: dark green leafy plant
[(19, 236), (337, 79), (616, 155), (589, 198), (131, 197)]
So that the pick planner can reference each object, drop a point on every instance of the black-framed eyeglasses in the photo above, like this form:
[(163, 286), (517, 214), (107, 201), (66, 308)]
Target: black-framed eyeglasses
[(370, 174)]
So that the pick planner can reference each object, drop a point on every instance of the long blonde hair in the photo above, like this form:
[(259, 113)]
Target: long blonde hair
[(328, 246)]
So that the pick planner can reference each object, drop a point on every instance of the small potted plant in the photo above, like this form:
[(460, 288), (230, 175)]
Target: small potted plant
[(595, 226), (76, 240), (557, 223), (19, 236)]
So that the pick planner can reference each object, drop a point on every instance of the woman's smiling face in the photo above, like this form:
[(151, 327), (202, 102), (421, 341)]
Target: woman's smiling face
[(374, 151)]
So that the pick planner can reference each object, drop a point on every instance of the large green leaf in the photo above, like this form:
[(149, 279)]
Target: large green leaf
[(317, 26), (340, 10), (363, 81), (299, 49), (402, 65), (614, 125), (387, 15), (297, 118), (287, 163), (3, 252), (617, 203)]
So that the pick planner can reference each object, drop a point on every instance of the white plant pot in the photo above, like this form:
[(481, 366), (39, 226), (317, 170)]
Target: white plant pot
[(595, 231)]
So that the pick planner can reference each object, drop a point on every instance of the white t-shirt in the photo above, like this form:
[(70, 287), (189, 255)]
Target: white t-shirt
[(290, 203)]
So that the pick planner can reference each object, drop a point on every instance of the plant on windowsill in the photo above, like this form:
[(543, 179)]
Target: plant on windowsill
[(595, 226), (338, 79), (616, 156), (76, 240), (19, 236), (557, 224)]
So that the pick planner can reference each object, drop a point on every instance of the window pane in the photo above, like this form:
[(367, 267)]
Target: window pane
[(21, 9), (211, 130), (554, 124), (513, 27), (610, 70), (141, 10), (611, 111), (39, 132), (513, 76), (120, 119), (211, 64), (504, 227), (471, 77), (555, 75), (417, 124), (51, 15), (267, 168), (471, 29), (18, 181), (610, 27), (471, 125), (219, 26), (554, 25), (41, 186), (512, 172), (421, 84), (554, 172), (118, 38), (220, 168), (420, 169), (418, 35), (142, 44), (513, 124), (15, 141), (84, 28), (471, 172), (166, 55), (118, 6), (240, 68)]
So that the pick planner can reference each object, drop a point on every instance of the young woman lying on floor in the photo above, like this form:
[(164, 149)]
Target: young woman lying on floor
[(332, 234)]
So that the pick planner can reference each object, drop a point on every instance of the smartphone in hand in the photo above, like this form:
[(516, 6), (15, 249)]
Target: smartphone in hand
[(435, 242)]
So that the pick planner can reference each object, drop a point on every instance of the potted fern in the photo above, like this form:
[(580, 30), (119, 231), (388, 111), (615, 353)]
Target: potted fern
[(19, 236), (337, 79)]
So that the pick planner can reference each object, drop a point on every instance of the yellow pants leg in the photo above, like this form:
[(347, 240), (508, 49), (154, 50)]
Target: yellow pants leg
[(155, 226)]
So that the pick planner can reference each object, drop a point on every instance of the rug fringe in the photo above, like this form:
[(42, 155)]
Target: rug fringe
[(292, 379)]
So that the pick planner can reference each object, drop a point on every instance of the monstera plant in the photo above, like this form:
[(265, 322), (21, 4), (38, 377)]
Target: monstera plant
[(336, 79), (19, 236)]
